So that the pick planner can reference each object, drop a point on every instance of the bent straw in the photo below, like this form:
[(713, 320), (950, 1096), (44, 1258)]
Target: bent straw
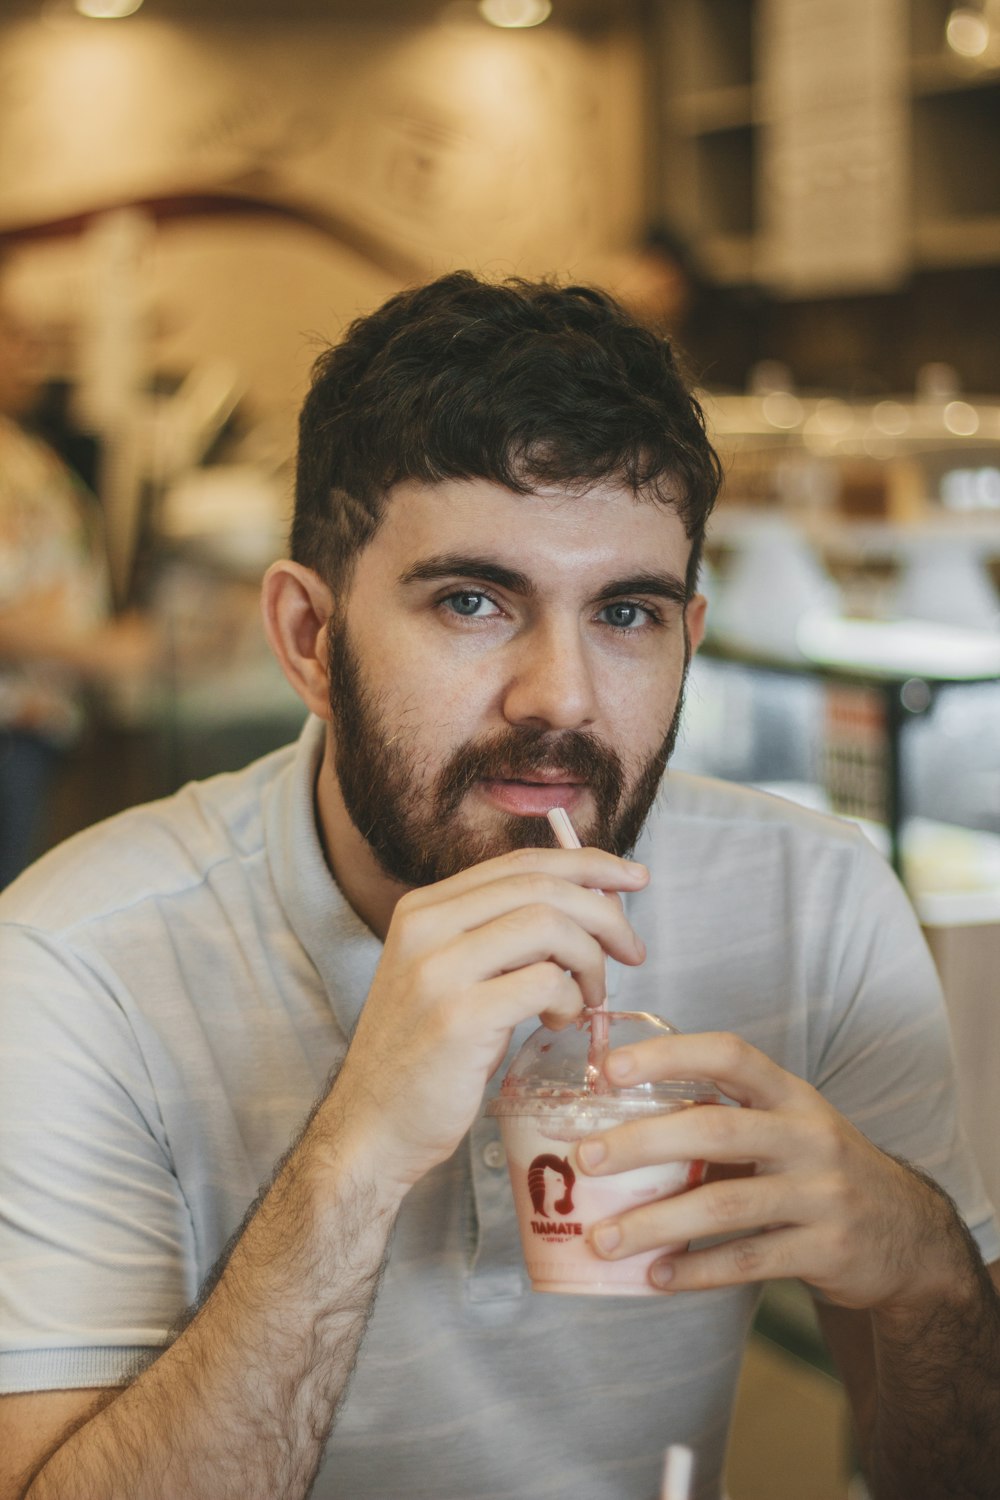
[(678, 1469), (566, 836)]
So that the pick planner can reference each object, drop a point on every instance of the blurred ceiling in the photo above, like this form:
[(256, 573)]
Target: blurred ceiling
[(582, 13)]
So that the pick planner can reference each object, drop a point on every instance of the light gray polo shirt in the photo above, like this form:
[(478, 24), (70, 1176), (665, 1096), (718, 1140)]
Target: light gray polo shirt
[(179, 982)]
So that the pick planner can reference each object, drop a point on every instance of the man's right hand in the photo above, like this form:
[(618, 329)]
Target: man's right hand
[(466, 960)]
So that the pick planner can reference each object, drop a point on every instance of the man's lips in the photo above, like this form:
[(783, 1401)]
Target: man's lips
[(543, 778), (535, 794)]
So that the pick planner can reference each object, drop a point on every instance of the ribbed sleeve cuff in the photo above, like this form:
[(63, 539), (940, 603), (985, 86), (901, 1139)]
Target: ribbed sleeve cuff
[(66, 1369)]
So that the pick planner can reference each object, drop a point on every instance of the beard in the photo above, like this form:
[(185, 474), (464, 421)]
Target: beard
[(418, 843)]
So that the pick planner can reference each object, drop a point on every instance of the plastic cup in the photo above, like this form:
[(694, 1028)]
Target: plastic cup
[(549, 1101)]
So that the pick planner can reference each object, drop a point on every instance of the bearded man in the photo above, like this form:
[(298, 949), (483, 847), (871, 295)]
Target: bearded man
[(489, 610)]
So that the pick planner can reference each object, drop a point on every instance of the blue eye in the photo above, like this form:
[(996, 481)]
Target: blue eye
[(469, 604), (625, 616)]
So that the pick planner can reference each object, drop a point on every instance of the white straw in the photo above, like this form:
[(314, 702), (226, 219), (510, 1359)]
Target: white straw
[(678, 1469), (562, 828), (567, 838)]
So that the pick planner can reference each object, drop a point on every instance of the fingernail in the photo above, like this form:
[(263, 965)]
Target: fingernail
[(635, 871), (661, 1273), (591, 1153), (620, 1065), (606, 1237)]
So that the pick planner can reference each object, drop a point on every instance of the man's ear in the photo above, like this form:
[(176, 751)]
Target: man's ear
[(296, 605), (694, 617)]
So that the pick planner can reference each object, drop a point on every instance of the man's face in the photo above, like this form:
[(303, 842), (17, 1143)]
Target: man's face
[(498, 655)]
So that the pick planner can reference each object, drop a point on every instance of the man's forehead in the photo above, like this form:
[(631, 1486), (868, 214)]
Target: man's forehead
[(590, 542), (566, 514)]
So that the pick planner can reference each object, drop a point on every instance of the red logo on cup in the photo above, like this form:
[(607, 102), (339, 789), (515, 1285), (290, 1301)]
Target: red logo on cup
[(537, 1182)]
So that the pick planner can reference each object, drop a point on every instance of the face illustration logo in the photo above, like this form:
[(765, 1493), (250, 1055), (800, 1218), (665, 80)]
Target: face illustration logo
[(536, 1184)]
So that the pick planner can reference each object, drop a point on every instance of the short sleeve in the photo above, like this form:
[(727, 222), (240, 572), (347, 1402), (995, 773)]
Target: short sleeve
[(887, 1061), (95, 1238)]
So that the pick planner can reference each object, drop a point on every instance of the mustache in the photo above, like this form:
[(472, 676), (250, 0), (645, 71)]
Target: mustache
[(517, 753)]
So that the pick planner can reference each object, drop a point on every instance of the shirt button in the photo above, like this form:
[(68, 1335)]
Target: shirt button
[(493, 1155)]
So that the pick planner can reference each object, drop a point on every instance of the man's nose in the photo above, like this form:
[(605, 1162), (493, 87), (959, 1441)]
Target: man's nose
[(551, 683)]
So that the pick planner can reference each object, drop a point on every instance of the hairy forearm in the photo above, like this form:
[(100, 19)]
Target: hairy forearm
[(936, 1427), (242, 1402)]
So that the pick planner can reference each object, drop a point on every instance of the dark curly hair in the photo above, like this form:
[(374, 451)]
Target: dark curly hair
[(523, 383)]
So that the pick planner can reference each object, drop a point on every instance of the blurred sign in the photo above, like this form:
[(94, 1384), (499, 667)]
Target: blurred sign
[(855, 767), (834, 144)]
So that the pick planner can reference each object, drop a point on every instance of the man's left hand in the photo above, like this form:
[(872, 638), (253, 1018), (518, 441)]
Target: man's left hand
[(823, 1204)]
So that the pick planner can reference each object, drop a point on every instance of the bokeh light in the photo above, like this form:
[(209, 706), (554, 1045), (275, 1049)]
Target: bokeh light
[(967, 32), (961, 418), (107, 10), (515, 13)]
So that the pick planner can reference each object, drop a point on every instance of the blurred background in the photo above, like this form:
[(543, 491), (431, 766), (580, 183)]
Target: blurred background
[(196, 194)]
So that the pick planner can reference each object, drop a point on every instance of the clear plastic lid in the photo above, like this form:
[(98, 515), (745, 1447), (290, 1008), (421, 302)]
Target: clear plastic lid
[(555, 1067)]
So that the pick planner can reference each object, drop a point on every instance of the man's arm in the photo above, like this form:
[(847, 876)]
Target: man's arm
[(242, 1402), (33, 1424), (916, 1426), (246, 1394)]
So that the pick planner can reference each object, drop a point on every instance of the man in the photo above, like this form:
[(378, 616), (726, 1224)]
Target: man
[(501, 500)]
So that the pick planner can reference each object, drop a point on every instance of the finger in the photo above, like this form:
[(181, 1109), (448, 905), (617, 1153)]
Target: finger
[(719, 1208), (524, 936), (737, 1068), (596, 869), (769, 1255), (605, 920), (543, 990), (702, 1132)]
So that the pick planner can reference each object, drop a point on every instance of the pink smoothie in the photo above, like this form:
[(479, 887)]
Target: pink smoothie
[(557, 1205)]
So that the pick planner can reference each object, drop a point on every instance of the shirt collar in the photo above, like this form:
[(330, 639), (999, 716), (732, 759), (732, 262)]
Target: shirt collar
[(341, 947)]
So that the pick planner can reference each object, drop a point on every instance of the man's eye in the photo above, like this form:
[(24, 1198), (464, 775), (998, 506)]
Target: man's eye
[(469, 604), (625, 616)]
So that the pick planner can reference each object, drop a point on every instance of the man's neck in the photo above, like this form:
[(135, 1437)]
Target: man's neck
[(363, 883)]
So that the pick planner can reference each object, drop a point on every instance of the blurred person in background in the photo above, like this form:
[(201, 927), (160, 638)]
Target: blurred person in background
[(57, 634), (714, 328)]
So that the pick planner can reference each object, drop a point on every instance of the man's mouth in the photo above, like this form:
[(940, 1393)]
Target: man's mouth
[(545, 778), (534, 794)]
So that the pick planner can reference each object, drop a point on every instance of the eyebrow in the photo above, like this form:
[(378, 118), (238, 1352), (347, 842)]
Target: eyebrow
[(463, 565), (657, 585)]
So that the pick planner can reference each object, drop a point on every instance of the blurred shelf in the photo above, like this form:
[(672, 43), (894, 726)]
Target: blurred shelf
[(716, 121), (943, 73), (713, 109), (729, 258), (955, 241), (856, 540), (912, 425), (956, 164)]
